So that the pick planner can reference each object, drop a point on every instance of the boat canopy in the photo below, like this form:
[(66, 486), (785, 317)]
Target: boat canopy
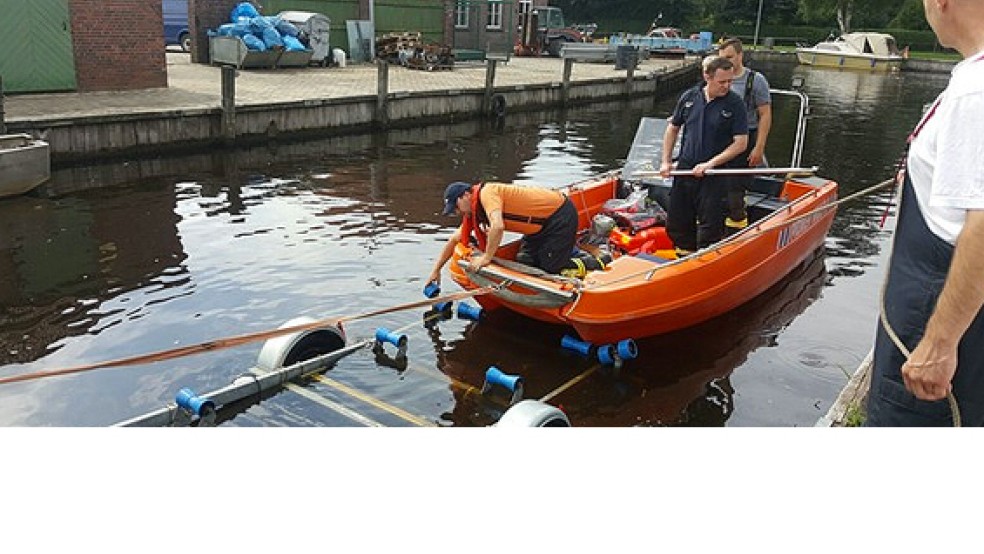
[(879, 44)]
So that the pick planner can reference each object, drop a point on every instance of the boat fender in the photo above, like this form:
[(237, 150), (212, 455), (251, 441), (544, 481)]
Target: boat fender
[(287, 350), (498, 106), (467, 311), (571, 343), (495, 377), (533, 413)]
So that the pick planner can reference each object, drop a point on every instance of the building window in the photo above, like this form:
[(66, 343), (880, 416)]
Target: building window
[(525, 6), (461, 15), (495, 16)]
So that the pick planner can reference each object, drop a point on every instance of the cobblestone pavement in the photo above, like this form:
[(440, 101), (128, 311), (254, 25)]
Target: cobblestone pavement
[(198, 86)]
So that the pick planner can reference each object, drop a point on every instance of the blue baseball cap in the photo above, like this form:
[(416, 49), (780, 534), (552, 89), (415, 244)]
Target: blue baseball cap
[(452, 194)]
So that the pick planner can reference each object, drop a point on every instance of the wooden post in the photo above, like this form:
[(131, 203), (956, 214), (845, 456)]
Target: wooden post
[(228, 103), (489, 86), (3, 123), (629, 77), (382, 94), (565, 86)]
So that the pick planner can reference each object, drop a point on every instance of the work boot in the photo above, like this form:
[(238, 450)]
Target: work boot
[(731, 226)]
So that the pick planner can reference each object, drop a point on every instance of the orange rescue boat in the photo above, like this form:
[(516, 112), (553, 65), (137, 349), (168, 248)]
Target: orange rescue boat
[(646, 293)]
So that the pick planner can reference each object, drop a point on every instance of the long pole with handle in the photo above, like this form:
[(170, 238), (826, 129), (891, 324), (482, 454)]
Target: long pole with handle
[(735, 171)]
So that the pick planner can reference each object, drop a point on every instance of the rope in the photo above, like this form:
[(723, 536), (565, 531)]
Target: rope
[(883, 318), (229, 342)]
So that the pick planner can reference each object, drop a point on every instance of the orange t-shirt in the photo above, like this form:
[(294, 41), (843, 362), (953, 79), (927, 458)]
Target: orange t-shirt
[(519, 203)]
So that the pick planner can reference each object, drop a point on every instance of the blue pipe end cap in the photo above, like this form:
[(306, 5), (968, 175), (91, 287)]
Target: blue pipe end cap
[(187, 399)]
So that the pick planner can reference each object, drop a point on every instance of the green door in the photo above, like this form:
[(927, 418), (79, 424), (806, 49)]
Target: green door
[(423, 16), (36, 46)]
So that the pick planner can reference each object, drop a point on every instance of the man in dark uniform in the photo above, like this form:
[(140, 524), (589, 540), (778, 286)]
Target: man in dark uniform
[(935, 291), (715, 132)]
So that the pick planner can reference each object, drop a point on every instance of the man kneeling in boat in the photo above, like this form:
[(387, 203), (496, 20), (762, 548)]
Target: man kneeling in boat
[(715, 133), (546, 218)]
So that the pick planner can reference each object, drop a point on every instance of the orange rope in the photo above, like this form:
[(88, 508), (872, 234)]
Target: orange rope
[(229, 342)]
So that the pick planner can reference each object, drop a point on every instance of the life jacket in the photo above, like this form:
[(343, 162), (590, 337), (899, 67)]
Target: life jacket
[(476, 222)]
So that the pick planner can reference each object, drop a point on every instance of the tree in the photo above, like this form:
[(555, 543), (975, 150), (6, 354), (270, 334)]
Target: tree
[(818, 12), (911, 16)]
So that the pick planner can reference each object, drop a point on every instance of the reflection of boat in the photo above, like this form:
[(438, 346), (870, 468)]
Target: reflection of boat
[(875, 51), (680, 378), (646, 293), (24, 164)]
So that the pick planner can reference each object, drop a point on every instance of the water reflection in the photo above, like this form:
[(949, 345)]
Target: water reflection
[(61, 260), (128, 257)]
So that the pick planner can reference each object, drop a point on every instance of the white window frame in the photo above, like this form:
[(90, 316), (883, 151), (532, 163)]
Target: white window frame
[(461, 14), (494, 20), (525, 6)]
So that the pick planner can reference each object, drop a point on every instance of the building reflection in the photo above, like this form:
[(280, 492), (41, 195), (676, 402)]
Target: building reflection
[(61, 259)]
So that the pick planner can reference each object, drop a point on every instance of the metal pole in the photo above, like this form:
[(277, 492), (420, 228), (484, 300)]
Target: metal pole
[(228, 103), (758, 21)]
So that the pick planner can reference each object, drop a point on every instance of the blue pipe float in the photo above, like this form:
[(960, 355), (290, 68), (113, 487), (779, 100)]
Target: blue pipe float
[(581, 347), (495, 377), (615, 354), (467, 311), (432, 290), (201, 407), (396, 339)]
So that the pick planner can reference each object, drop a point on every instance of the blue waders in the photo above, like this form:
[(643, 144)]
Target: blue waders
[(918, 269)]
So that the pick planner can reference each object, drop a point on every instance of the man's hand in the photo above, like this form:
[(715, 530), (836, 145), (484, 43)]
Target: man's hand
[(701, 169), (755, 157), (928, 372), (478, 262)]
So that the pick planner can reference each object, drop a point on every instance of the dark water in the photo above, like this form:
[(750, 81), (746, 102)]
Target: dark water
[(125, 258)]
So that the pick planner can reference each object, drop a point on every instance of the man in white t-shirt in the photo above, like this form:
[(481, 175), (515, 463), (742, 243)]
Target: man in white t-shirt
[(935, 290)]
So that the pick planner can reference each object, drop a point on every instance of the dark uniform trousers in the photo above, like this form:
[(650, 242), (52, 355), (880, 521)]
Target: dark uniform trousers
[(699, 200)]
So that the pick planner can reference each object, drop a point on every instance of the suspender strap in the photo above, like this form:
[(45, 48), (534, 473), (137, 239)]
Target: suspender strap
[(525, 219)]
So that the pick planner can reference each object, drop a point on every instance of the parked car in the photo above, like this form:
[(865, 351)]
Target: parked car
[(176, 24)]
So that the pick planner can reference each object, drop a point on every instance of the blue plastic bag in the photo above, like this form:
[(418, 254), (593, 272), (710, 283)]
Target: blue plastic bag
[(253, 42), (239, 29), (291, 44), (272, 39), (260, 24), (286, 28), (244, 9)]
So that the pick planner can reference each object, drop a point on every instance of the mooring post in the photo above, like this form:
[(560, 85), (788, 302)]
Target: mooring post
[(382, 94), (565, 86), (3, 124), (629, 77), (489, 85), (228, 103)]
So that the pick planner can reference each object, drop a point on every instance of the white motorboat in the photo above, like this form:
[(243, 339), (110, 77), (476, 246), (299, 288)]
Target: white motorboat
[(871, 51), (25, 163)]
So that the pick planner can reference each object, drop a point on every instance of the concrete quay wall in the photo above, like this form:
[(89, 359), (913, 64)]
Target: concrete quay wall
[(88, 136)]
